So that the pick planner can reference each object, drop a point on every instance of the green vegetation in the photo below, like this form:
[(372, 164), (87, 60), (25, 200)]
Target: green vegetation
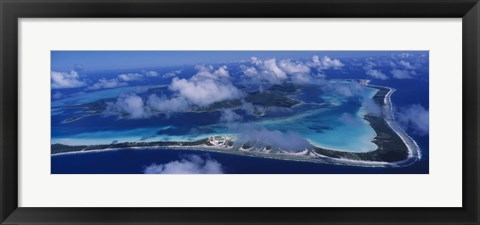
[(69, 120), (60, 148), (98, 106), (90, 108), (228, 104), (284, 88), (270, 99)]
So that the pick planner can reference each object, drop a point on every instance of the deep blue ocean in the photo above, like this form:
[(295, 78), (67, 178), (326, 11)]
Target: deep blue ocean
[(135, 161), (126, 161)]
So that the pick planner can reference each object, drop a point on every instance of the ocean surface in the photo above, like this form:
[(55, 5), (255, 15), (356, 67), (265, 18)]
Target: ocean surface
[(136, 161)]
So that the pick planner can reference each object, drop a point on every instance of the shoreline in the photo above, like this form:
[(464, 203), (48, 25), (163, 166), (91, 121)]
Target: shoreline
[(389, 117), (395, 147), (299, 158)]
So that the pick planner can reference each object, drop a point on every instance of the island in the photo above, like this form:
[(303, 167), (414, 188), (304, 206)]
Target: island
[(394, 146)]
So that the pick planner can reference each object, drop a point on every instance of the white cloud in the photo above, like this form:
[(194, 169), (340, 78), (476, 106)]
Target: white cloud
[(370, 71), (208, 72), (172, 74), (293, 67), (229, 116), (406, 64), (371, 107), (279, 71), (256, 61), (376, 74), (249, 71), (251, 109), (167, 105), (298, 71), (130, 105), (130, 76), (61, 80), (301, 78), (287, 141), (369, 65), (151, 73), (204, 92), (326, 62), (401, 74), (267, 70), (414, 117), (206, 87), (222, 72), (321, 76), (345, 89), (104, 84), (189, 164), (392, 64), (405, 55), (349, 119), (272, 72), (57, 95)]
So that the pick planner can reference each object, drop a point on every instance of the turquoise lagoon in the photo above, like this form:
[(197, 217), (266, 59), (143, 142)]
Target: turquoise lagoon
[(325, 119)]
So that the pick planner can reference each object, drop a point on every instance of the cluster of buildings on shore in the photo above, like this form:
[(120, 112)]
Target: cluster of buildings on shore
[(219, 141)]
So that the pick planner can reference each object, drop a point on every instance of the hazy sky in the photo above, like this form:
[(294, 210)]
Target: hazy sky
[(111, 60)]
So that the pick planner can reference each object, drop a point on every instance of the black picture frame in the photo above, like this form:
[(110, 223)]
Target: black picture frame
[(11, 11)]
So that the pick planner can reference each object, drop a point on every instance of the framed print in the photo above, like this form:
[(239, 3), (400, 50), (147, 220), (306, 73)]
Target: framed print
[(311, 112)]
